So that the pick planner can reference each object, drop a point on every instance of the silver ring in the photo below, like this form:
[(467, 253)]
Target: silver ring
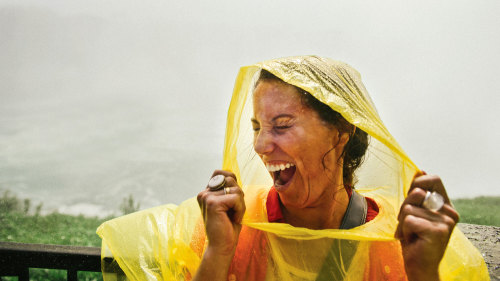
[(433, 201), (217, 182), (227, 190)]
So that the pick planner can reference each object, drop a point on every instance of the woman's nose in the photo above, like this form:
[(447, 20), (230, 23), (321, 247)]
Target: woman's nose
[(263, 143)]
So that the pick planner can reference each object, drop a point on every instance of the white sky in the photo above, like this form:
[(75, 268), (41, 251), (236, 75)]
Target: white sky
[(431, 68)]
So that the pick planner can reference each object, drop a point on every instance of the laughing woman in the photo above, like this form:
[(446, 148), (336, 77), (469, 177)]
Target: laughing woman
[(327, 194)]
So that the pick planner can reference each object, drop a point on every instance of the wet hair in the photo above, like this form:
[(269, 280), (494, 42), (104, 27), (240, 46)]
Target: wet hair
[(355, 148)]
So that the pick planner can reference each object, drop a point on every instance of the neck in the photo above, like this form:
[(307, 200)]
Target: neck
[(327, 214)]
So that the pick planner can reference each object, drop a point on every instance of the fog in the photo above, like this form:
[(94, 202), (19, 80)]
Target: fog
[(102, 99)]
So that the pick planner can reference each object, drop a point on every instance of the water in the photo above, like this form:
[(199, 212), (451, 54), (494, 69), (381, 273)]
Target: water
[(80, 155)]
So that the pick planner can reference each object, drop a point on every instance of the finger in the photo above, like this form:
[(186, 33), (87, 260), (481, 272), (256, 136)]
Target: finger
[(239, 209), (235, 203), (446, 211), (227, 190), (202, 198), (229, 194), (431, 183), (415, 197), (449, 211), (407, 208), (230, 181), (229, 178), (421, 221), (225, 173), (420, 212), (432, 232), (413, 226), (447, 214)]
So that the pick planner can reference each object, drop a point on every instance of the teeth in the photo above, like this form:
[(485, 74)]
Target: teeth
[(278, 167)]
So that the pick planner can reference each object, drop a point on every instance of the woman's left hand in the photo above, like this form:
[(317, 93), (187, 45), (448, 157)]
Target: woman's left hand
[(424, 234)]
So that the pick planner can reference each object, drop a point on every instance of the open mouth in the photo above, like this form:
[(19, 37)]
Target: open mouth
[(282, 173)]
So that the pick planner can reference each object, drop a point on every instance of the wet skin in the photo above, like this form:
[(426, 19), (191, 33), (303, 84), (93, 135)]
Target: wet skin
[(287, 131)]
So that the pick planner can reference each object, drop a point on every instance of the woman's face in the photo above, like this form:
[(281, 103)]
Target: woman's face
[(293, 142)]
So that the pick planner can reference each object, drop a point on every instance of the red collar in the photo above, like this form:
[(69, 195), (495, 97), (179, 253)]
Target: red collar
[(274, 213), (273, 203)]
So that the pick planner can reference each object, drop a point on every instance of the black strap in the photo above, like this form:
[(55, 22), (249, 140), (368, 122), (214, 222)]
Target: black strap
[(355, 215), (341, 252)]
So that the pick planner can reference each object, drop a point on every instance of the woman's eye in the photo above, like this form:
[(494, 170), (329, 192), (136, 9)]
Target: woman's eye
[(282, 127), (256, 129)]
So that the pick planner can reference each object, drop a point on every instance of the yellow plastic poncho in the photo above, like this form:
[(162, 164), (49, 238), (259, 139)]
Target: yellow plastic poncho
[(166, 242)]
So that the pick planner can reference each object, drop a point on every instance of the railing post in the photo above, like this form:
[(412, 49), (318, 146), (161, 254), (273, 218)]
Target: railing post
[(24, 274), (72, 275)]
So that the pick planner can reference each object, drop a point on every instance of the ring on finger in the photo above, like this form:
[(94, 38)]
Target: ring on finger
[(227, 190), (217, 182), (433, 201)]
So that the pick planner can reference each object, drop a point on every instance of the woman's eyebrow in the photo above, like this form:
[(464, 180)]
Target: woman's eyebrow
[(283, 116)]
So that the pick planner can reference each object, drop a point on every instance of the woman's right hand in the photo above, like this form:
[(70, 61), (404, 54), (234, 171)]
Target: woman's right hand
[(222, 215)]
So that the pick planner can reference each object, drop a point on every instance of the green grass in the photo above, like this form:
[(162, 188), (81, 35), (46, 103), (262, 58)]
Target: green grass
[(50, 229), (483, 210)]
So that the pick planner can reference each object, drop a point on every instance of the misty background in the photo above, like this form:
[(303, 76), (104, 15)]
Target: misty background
[(102, 99)]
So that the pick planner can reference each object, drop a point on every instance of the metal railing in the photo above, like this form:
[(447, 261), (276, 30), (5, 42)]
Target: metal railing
[(17, 258)]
